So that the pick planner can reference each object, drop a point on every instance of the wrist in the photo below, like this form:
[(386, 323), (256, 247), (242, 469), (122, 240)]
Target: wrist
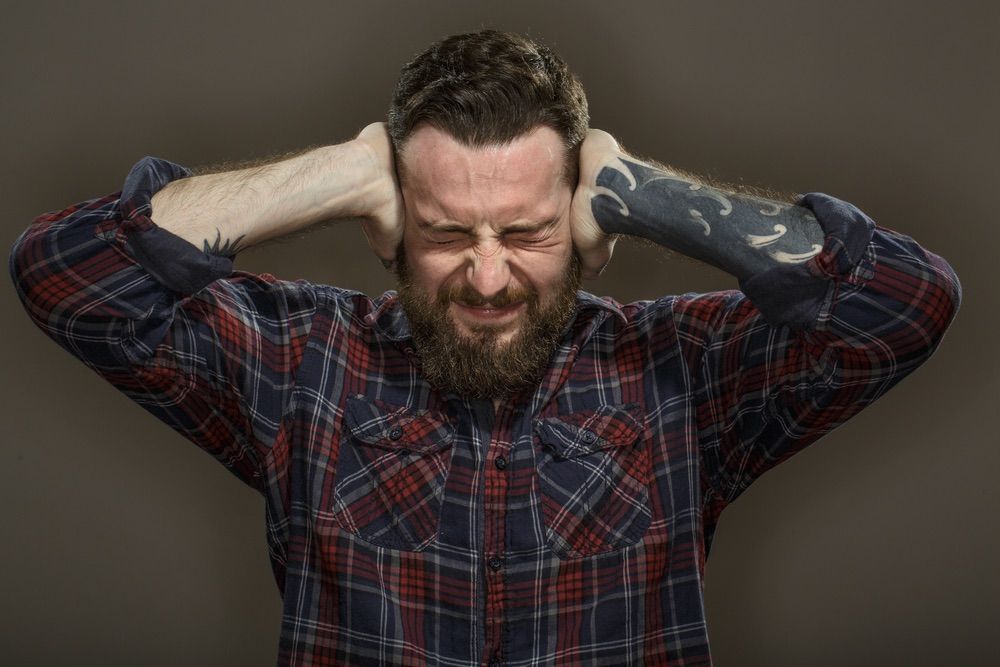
[(372, 180)]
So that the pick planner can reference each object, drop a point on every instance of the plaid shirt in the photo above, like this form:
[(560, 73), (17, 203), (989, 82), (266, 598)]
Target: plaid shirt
[(410, 527)]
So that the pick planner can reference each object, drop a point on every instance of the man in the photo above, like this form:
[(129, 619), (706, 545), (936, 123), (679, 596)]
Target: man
[(489, 466)]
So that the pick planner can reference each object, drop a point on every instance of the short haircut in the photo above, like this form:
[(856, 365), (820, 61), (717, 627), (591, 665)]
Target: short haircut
[(488, 88)]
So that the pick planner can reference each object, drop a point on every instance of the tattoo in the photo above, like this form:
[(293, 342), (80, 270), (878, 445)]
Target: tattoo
[(738, 233), (228, 249)]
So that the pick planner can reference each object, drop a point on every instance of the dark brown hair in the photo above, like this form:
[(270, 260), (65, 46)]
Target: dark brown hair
[(490, 87)]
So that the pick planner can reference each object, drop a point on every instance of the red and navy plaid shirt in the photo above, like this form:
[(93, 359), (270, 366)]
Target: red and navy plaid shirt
[(410, 527)]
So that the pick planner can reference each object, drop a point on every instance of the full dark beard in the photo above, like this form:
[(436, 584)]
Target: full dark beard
[(479, 366)]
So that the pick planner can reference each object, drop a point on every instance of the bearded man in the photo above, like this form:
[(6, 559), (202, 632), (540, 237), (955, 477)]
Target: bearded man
[(488, 466)]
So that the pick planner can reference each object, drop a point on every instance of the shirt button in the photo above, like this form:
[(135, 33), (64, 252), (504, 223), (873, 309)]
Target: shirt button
[(589, 437), (496, 662), (495, 562), (396, 433), (500, 462)]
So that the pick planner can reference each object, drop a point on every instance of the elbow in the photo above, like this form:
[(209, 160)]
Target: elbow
[(924, 319), (60, 295), (21, 265), (34, 263), (906, 311), (943, 299)]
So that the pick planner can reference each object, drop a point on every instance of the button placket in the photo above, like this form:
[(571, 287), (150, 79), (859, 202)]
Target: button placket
[(498, 449)]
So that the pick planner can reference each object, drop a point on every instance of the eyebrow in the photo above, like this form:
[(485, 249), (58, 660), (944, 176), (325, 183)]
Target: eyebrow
[(530, 226), (443, 227)]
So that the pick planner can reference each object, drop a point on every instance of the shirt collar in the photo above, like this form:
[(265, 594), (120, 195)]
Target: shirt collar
[(388, 318)]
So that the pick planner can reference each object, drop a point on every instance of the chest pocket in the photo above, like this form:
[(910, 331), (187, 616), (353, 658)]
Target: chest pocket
[(391, 473), (593, 478)]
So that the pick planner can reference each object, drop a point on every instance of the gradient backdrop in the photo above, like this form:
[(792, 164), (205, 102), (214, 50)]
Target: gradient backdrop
[(123, 544)]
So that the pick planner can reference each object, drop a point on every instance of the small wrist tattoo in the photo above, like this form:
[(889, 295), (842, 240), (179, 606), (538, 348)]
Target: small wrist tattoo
[(227, 249)]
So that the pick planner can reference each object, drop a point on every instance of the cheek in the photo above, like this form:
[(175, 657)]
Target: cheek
[(545, 271), (429, 270)]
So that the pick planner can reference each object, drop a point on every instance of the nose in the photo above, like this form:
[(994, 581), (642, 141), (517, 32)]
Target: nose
[(488, 271)]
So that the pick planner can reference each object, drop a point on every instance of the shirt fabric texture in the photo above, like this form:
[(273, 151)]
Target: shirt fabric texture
[(411, 527)]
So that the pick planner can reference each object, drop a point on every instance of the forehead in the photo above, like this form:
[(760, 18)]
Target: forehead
[(443, 178)]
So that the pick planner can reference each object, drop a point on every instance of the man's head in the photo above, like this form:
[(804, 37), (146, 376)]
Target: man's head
[(486, 129)]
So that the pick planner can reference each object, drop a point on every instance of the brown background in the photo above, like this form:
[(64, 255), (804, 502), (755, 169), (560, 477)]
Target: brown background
[(124, 545)]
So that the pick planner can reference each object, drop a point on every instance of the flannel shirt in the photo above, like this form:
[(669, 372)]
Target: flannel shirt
[(411, 527)]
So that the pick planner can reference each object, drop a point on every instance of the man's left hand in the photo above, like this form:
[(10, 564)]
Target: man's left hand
[(599, 149)]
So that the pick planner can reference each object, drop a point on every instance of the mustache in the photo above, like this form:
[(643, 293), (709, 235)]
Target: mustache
[(467, 296)]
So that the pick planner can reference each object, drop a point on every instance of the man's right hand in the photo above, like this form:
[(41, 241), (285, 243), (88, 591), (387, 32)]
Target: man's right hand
[(383, 221)]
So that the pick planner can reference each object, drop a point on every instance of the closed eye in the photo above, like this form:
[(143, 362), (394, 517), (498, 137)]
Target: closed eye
[(444, 236), (533, 237)]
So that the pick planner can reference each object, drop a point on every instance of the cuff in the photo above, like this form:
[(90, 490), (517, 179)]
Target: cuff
[(800, 295), (174, 262)]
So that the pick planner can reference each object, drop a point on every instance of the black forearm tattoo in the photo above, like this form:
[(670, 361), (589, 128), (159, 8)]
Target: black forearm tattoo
[(740, 234), (228, 249)]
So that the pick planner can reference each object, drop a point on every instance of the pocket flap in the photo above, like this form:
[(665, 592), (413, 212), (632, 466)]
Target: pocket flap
[(397, 428), (585, 432)]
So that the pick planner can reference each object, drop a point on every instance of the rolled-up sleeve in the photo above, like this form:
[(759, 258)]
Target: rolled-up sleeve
[(173, 261)]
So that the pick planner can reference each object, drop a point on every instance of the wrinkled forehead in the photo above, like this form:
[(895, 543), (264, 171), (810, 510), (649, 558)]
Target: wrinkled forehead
[(436, 169)]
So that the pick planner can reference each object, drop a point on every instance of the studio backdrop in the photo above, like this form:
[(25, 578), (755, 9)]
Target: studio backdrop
[(126, 545)]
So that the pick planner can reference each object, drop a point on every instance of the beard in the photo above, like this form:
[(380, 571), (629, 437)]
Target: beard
[(481, 365)]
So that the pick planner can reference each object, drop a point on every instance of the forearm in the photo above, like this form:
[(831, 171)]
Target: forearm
[(224, 213), (741, 234)]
